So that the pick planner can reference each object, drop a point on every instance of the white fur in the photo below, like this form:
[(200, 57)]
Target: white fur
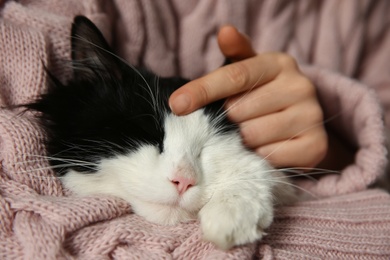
[(234, 192)]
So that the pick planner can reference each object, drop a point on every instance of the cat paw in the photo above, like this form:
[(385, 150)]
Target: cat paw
[(227, 225)]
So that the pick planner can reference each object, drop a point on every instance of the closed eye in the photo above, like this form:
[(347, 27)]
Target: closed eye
[(161, 147), (199, 152)]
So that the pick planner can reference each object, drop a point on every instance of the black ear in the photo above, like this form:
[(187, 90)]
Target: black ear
[(91, 53)]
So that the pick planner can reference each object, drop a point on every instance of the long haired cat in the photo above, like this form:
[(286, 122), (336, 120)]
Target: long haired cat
[(110, 131)]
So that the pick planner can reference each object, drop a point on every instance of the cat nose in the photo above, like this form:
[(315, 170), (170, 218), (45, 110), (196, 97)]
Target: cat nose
[(183, 184)]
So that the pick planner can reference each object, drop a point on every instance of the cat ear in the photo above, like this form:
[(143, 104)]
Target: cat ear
[(91, 53)]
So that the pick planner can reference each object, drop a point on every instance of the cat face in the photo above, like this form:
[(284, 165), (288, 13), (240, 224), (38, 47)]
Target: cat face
[(166, 186), (110, 131)]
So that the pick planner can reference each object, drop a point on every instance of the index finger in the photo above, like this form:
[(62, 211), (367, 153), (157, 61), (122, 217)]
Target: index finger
[(224, 82)]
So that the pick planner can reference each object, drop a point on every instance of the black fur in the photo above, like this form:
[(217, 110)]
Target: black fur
[(106, 109)]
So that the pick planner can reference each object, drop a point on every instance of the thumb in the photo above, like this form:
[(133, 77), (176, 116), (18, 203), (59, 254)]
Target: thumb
[(234, 45)]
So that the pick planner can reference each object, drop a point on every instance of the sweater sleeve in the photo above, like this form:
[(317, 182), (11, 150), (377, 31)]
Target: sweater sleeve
[(353, 113), (350, 67)]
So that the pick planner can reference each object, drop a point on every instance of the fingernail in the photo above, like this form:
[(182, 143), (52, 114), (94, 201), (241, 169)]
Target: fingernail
[(181, 104)]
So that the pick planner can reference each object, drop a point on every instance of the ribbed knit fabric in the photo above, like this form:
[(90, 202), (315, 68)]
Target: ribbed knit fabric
[(41, 220)]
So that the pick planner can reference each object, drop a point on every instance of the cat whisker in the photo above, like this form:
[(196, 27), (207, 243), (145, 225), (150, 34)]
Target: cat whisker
[(157, 94), (90, 143), (278, 180), (308, 170), (311, 171), (274, 181), (297, 174), (55, 159), (296, 187), (67, 163), (54, 167), (97, 147), (71, 162), (108, 147), (151, 103)]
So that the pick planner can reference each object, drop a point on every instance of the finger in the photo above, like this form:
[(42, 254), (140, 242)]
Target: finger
[(289, 153), (291, 123), (234, 45), (224, 82), (269, 98)]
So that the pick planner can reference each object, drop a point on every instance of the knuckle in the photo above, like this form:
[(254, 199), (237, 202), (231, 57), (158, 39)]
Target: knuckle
[(235, 111), (238, 75), (248, 134), (287, 61), (315, 113), (322, 148), (303, 87), (306, 87), (304, 90), (304, 82), (318, 146), (203, 93)]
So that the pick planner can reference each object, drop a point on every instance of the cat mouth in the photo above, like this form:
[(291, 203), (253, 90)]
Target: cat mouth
[(179, 202), (184, 203), (175, 203), (190, 202)]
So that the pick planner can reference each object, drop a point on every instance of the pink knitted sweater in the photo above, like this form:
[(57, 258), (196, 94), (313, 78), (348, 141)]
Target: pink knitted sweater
[(333, 41)]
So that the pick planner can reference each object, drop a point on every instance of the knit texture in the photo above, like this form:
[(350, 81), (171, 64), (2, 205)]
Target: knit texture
[(41, 220)]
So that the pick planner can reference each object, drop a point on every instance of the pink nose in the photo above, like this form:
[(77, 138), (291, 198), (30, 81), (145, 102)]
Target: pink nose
[(183, 184)]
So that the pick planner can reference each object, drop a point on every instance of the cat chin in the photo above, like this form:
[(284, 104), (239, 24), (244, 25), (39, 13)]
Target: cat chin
[(163, 214)]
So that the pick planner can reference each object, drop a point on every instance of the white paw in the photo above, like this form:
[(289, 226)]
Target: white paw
[(227, 223)]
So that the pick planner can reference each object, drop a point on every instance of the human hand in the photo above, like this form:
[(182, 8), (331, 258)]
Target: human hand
[(274, 104)]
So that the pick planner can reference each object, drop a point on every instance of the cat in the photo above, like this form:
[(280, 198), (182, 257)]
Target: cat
[(110, 131)]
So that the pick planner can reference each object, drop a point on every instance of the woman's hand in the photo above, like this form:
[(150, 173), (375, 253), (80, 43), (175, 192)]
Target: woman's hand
[(274, 104)]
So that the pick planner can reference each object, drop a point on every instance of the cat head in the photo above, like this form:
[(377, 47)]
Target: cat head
[(110, 130), (108, 107)]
